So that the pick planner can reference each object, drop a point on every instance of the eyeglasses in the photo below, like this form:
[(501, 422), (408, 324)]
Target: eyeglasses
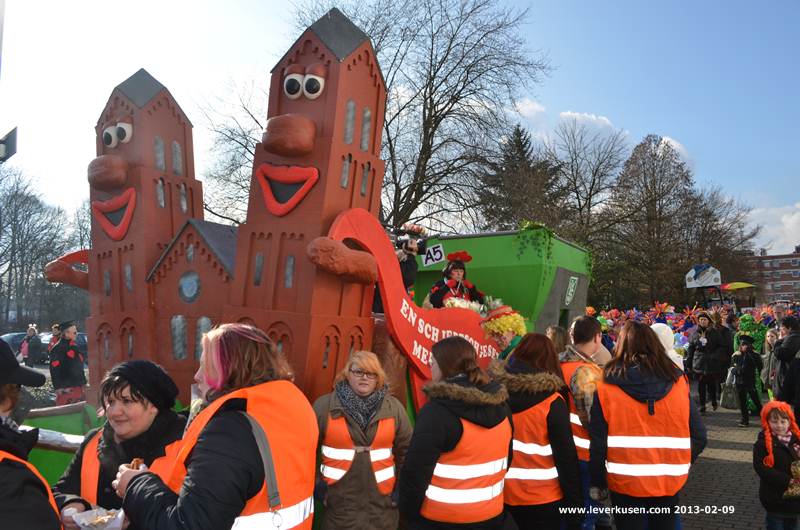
[(372, 376)]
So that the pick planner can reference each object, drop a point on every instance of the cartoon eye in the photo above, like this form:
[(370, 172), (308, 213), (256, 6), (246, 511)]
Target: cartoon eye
[(110, 137), (313, 86), (124, 132), (293, 86)]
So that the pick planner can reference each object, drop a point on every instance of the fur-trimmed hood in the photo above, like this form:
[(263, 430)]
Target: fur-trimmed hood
[(484, 405), (529, 383)]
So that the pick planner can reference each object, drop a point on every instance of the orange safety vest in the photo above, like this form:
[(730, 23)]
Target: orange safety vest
[(648, 455), (90, 469), (532, 477), (4, 455), (467, 482), (579, 433), (289, 422), (338, 452)]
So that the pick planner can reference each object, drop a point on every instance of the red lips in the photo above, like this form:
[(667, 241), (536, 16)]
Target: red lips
[(283, 187), (127, 201)]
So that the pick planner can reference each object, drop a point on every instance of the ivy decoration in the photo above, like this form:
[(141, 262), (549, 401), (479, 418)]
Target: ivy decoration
[(536, 236)]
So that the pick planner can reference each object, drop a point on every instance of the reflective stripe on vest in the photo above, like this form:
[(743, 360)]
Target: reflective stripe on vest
[(339, 451), (8, 456), (648, 455), (290, 425), (533, 477), (90, 469), (467, 482), (579, 433)]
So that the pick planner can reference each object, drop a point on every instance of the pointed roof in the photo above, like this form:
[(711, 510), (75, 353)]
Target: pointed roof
[(219, 238), (141, 88), (337, 33)]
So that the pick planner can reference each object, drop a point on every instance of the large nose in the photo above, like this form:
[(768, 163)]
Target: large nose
[(289, 135), (108, 172)]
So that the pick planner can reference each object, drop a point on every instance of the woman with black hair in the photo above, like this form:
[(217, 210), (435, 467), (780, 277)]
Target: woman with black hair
[(645, 431), (455, 467), (454, 283), (137, 397)]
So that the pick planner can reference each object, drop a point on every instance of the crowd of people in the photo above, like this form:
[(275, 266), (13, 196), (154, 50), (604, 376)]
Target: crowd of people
[(554, 434)]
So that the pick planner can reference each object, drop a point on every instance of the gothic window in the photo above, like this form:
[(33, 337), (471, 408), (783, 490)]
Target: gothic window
[(177, 159), (366, 126), (160, 159), (349, 121), (178, 331)]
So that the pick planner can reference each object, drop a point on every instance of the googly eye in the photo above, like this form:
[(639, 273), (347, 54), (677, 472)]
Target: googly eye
[(124, 132), (110, 137), (313, 85), (293, 86)]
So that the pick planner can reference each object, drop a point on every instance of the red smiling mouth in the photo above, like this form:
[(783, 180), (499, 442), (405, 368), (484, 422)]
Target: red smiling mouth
[(115, 214), (283, 187)]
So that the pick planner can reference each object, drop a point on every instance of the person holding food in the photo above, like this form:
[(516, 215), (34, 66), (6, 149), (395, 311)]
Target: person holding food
[(137, 397), (247, 460)]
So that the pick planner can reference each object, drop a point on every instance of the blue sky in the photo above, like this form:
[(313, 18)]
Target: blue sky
[(719, 78)]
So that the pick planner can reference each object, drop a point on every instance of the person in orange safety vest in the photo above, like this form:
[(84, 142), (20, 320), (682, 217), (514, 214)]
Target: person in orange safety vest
[(544, 475), (246, 460), (137, 397), (364, 435), (456, 464), (25, 498), (645, 431)]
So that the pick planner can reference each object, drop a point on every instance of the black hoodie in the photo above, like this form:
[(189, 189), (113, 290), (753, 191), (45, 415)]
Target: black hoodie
[(646, 389), (23, 498), (438, 430)]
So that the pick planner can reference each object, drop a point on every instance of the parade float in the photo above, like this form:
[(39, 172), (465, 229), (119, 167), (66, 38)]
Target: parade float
[(304, 264)]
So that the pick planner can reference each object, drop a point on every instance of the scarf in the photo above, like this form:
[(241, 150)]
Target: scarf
[(784, 438), (359, 409)]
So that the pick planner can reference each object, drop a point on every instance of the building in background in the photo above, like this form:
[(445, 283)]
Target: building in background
[(778, 276)]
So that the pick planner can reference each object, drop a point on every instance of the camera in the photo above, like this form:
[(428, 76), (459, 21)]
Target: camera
[(402, 244)]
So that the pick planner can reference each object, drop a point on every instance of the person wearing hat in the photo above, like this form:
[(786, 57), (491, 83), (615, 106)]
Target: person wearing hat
[(506, 327), (66, 367), (747, 364), (137, 398), (25, 498), (454, 283), (702, 359)]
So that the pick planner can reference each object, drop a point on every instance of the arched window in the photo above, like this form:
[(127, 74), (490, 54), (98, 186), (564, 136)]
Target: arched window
[(204, 325), (177, 327), (128, 277), (160, 158), (366, 128), (177, 158), (288, 274), (160, 193), (107, 283), (258, 269), (365, 179), (182, 194), (346, 170), (349, 121)]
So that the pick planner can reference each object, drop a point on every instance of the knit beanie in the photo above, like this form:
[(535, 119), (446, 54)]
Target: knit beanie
[(149, 379), (769, 460)]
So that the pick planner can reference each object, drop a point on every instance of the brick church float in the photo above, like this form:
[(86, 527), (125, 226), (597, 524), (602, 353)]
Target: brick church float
[(304, 264)]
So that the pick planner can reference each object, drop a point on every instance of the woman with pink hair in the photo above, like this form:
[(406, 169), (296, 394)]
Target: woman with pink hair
[(246, 460)]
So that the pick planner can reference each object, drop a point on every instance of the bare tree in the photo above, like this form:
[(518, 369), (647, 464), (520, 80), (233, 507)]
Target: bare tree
[(589, 160)]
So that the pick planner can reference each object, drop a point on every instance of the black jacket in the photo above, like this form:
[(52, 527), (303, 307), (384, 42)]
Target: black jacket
[(34, 348), (440, 289), (787, 348), (66, 365), (223, 472), (166, 428), (24, 502), (775, 479), (527, 388), (643, 388), (438, 430), (705, 358), (746, 367)]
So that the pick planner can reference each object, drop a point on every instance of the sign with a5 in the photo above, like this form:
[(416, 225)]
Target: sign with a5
[(433, 254)]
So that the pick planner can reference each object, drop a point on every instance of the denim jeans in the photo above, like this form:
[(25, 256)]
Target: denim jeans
[(776, 522), (590, 519)]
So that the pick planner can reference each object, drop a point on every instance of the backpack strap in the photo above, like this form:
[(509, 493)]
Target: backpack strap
[(266, 457)]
